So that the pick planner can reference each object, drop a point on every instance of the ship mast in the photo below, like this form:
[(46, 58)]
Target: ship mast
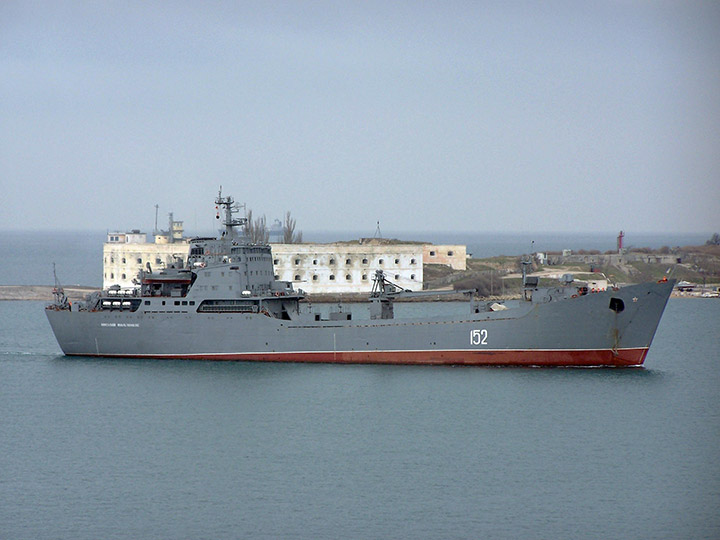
[(229, 206)]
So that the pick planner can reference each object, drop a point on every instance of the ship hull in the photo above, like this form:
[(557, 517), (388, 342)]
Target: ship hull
[(581, 331), (529, 358)]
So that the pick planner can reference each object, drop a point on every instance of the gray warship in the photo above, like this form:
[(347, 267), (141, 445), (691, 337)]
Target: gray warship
[(225, 304)]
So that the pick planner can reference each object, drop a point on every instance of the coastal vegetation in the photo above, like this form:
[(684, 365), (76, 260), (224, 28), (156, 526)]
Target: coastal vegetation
[(257, 230), (502, 276)]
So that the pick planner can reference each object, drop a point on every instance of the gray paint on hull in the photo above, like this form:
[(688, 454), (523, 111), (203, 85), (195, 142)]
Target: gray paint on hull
[(577, 324)]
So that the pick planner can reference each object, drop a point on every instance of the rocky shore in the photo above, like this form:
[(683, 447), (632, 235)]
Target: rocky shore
[(41, 292)]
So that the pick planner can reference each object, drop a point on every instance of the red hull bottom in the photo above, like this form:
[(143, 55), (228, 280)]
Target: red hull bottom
[(530, 358)]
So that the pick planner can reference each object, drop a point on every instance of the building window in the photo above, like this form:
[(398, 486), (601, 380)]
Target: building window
[(380, 261), (397, 261), (277, 277), (275, 261), (314, 278), (450, 253), (348, 261), (348, 277), (412, 276), (112, 275), (314, 261), (158, 260), (139, 260), (332, 261), (412, 261), (123, 260), (364, 261), (397, 276), (124, 276), (332, 277), (297, 261), (297, 277), (432, 253), (364, 277)]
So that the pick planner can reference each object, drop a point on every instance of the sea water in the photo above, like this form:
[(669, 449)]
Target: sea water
[(119, 449)]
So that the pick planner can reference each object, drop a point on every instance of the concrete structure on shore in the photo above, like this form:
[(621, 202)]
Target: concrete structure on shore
[(333, 268), (454, 256), (125, 254), (348, 267)]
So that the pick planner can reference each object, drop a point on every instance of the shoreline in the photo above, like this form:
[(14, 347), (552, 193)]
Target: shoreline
[(42, 292)]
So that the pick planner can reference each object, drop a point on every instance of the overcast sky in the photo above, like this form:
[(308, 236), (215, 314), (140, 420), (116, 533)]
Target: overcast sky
[(448, 116)]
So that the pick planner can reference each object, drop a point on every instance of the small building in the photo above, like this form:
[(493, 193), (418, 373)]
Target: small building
[(685, 286), (454, 256)]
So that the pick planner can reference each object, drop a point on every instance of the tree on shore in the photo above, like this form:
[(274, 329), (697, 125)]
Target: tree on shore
[(289, 236), (714, 240), (256, 230)]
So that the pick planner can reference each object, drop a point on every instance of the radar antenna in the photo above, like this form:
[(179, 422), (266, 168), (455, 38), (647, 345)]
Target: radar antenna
[(229, 207)]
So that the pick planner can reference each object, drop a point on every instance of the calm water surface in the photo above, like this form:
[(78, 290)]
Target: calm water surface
[(178, 449)]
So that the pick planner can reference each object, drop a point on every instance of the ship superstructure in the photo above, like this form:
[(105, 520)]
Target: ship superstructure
[(224, 303)]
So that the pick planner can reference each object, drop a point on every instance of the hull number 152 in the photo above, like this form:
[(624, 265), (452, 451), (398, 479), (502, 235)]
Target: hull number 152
[(478, 337)]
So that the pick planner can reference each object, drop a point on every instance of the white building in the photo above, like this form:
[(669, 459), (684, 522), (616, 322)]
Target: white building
[(340, 267), (348, 267), (125, 254), (454, 256)]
